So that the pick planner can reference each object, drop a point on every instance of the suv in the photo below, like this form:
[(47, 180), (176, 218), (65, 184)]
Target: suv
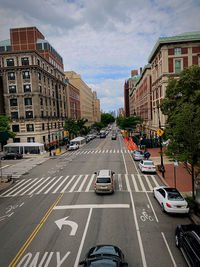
[(188, 240), (104, 181)]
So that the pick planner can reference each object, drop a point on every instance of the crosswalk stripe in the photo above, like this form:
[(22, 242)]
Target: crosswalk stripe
[(67, 185), (60, 184), (96, 151), (120, 182), (92, 152), (134, 183), (46, 185), (107, 151), (103, 151), (25, 187), (83, 182), (141, 183), (90, 182), (125, 151), (85, 152), (110, 151), (18, 187), (53, 185), (30, 193), (154, 179), (78, 152), (12, 187), (77, 181), (89, 151), (114, 151), (32, 186), (118, 151), (148, 182), (99, 151), (121, 151)]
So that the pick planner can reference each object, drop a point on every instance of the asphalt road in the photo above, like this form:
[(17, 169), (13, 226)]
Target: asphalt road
[(51, 216)]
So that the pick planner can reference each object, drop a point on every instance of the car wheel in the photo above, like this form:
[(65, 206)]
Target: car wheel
[(162, 207), (177, 240)]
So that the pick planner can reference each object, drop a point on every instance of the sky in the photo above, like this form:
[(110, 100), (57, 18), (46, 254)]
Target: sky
[(102, 40)]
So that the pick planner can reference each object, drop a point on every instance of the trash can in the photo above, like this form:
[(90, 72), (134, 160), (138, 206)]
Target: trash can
[(58, 150)]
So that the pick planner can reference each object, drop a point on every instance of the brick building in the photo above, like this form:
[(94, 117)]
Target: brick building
[(74, 101), (32, 87)]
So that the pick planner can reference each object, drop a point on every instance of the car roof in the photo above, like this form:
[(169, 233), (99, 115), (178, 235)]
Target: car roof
[(147, 161), (171, 189), (104, 172)]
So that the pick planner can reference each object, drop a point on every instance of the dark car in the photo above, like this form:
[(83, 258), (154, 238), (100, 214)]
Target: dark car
[(104, 255), (12, 155), (188, 240)]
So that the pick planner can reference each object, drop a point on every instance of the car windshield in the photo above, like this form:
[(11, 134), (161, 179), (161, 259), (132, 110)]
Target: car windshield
[(103, 263), (175, 196), (139, 152), (103, 180), (148, 163)]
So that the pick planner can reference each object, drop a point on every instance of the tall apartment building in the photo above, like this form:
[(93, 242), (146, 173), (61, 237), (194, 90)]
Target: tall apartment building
[(168, 58), (96, 108), (131, 88), (73, 101), (32, 86), (86, 96)]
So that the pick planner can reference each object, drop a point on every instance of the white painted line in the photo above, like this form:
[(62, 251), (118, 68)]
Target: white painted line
[(82, 152), (148, 182), (38, 186), (27, 181), (99, 151), (110, 151), (24, 187), (4, 166), (154, 179), (92, 152), (141, 183), (121, 151), (152, 207), (120, 182), (90, 182), (118, 151), (93, 206), (134, 183), (103, 151), (89, 151), (83, 182), (125, 151), (170, 253), (75, 184), (85, 152), (12, 187), (76, 264), (51, 180), (114, 151), (63, 190), (107, 151), (96, 151), (53, 185), (60, 184)]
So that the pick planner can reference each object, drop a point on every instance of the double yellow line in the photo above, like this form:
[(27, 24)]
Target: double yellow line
[(29, 240)]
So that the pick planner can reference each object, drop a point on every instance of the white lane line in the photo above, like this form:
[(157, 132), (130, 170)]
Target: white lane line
[(60, 184), (141, 183), (83, 182), (120, 182), (46, 185), (118, 151), (75, 184), (24, 187), (32, 186), (110, 151), (148, 182), (93, 206), (27, 181), (30, 193), (83, 240), (53, 185), (63, 190), (154, 179), (4, 166), (90, 182), (12, 187), (114, 151), (170, 253), (134, 183), (152, 207)]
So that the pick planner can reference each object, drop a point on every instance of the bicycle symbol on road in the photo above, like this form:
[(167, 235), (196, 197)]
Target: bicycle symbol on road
[(145, 217)]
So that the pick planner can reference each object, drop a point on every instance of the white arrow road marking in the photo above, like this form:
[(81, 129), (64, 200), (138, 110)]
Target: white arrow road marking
[(64, 221)]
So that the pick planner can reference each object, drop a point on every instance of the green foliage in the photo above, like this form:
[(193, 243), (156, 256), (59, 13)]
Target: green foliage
[(106, 118), (98, 126), (181, 105), (5, 127), (82, 129), (76, 127), (128, 123), (190, 202)]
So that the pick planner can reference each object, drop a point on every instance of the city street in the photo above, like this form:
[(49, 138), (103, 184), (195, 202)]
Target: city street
[(51, 215)]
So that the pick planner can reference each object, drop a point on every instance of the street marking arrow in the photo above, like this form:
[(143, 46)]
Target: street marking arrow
[(64, 221)]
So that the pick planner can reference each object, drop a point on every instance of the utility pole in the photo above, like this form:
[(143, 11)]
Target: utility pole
[(161, 152)]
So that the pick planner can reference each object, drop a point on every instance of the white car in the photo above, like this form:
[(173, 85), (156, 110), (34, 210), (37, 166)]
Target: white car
[(73, 147), (147, 166), (170, 200), (138, 155)]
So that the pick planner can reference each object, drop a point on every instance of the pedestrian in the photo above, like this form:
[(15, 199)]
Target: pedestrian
[(147, 155)]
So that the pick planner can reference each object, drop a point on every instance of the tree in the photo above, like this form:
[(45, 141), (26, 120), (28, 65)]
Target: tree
[(129, 123), (181, 105), (98, 126), (5, 132), (82, 129), (107, 118), (71, 127)]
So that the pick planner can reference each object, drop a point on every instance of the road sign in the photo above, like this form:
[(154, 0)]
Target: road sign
[(66, 133), (56, 134), (160, 132)]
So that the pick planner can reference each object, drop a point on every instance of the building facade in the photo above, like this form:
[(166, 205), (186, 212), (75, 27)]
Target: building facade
[(73, 101), (32, 87)]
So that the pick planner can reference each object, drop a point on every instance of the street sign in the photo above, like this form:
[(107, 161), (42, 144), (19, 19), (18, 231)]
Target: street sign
[(66, 133), (56, 134), (175, 163), (160, 132)]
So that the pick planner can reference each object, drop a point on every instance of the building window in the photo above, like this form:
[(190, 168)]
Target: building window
[(40, 88), (177, 66), (31, 139), (39, 76), (15, 128), (27, 88), (177, 51), (41, 101), (12, 89), (14, 115), (42, 126), (26, 74), (42, 114), (11, 76), (38, 62), (25, 61), (10, 62), (29, 114), (13, 102), (16, 140), (28, 101), (30, 127), (55, 125)]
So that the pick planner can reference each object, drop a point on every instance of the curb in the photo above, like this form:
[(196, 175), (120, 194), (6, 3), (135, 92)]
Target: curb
[(4, 185)]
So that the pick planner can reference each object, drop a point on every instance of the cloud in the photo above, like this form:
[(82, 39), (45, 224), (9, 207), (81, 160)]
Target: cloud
[(103, 40)]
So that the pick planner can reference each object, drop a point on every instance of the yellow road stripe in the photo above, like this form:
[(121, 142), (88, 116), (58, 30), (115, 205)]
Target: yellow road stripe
[(29, 240)]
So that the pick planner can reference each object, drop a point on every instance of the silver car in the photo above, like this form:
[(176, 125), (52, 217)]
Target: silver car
[(138, 155), (104, 181)]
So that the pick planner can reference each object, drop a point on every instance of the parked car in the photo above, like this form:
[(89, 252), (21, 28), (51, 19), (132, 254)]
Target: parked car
[(188, 241), (73, 147), (104, 181), (147, 166), (12, 155), (138, 155), (104, 255), (170, 200), (114, 137)]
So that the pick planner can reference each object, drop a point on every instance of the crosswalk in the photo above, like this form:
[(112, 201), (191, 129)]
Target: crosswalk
[(96, 151), (79, 183)]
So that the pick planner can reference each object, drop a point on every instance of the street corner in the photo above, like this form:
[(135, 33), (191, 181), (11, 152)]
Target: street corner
[(5, 183)]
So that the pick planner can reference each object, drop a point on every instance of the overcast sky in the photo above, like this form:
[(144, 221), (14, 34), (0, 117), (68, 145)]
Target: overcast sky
[(103, 40)]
